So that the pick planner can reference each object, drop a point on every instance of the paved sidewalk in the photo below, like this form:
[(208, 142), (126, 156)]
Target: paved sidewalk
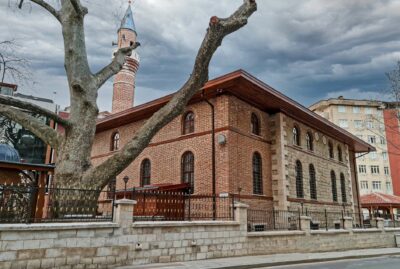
[(247, 262)]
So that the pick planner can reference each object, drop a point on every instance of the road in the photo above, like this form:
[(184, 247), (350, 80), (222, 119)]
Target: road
[(388, 262)]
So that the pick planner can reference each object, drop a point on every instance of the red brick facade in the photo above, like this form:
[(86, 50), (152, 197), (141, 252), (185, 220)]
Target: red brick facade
[(392, 129), (234, 159)]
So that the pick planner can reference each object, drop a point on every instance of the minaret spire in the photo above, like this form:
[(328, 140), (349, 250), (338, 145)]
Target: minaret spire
[(124, 82)]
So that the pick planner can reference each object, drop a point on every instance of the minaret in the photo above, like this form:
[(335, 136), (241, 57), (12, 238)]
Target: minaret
[(124, 81)]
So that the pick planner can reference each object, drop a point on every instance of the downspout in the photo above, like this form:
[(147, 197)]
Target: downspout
[(213, 158)]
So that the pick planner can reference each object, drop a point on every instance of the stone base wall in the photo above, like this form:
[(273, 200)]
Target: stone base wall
[(106, 245)]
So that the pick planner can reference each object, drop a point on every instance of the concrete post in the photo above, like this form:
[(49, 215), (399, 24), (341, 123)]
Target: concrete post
[(348, 223), (241, 214), (123, 214), (305, 224)]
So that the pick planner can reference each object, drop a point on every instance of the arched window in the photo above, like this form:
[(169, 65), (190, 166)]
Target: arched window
[(309, 141), (115, 139), (255, 124), (299, 180), (187, 169), (145, 172), (330, 148), (339, 151), (343, 188), (333, 184), (188, 123), (296, 136), (313, 182), (257, 174)]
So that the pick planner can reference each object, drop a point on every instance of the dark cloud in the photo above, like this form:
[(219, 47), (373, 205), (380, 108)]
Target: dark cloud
[(309, 49)]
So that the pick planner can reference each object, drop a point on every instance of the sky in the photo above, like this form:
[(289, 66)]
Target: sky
[(307, 49)]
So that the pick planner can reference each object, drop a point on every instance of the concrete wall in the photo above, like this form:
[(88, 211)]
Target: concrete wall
[(106, 245)]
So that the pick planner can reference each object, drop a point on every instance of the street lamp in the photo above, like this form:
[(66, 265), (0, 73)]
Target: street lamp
[(126, 179)]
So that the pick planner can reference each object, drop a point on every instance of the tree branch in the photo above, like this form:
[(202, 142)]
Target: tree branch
[(48, 7), (81, 10), (41, 130), (115, 66), (5, 100), (218, 29)]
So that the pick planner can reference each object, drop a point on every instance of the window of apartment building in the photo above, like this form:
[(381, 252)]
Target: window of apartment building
[(358, 124), (372, 155), (383, 140), (368, 110), (362, 169), (343, 123), (257, 174), (371, 139), (115, 140), (360, 156), (333, 185), (342, 108), (374, 169), (330, 148), (340, 155), (381, 126), (296, 136), (369, 124), (386, 170), (309, 141), (384, 155), (299, 180), (356, 109), (255, 124), (188, 123), (376, 185), (313, 182), (364, 185), (388, 187), (187, 169), (145, 172), (343, 188)]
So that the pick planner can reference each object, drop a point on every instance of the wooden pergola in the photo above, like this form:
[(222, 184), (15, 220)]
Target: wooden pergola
[(380, 204)]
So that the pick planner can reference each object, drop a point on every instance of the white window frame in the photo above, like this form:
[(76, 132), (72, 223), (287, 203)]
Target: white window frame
[(386, 170), (362, 169), (356, 109), (374, 169), (342, 109), (364, 184), (376, 185)]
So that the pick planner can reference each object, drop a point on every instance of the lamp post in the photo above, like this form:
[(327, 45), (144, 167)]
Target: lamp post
[(126, 179)]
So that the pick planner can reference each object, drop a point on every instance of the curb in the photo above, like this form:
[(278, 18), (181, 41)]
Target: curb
[(274, 264)]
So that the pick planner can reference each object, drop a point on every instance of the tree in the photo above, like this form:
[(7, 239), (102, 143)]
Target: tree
[(394, 83), (74, 168), (12, 65)]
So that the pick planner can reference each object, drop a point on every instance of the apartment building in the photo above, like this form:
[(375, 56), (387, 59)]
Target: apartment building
[(366, 120)]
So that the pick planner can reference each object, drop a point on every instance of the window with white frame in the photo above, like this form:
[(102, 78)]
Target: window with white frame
[(369, 124), (360, 156), (371, 139), (388, 186), (362, 169), (383, 140), (343, 123), (376, 185), (375, 169), (358, 124), (386, 170), (364, 185), (356, 109), (372, 155), (368, 110), (384, 155), (342, 109)]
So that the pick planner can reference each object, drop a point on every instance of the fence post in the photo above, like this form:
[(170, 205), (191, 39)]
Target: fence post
[(124, 214), (233, 207), (326, 219), (241, 215), (273, 217), (189, 210)]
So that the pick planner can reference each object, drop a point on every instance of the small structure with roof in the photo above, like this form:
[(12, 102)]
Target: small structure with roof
[(382, 205)]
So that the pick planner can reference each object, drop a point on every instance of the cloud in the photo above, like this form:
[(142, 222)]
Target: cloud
[(308, 49)]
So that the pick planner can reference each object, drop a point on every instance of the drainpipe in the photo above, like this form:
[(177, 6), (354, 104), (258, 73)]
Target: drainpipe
[(360, 214), (213, 160)]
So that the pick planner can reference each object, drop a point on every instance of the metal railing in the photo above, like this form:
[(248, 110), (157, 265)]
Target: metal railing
[(324, 219), (180, 206), (270, 220), (24, 203)]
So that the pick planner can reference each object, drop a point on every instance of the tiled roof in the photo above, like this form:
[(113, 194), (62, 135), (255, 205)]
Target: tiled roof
[(127, 22), (379, 198)]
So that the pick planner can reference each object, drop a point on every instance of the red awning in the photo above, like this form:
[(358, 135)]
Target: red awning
[(379, 199)]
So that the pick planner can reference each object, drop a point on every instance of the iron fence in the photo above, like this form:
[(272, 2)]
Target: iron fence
[(24, 203), (324, 219), (180, 206), (270, 220)]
